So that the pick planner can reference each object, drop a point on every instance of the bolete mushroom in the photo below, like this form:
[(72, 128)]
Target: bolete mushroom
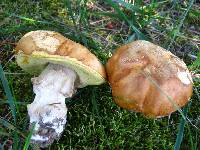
[(62, 66), (149, 79)]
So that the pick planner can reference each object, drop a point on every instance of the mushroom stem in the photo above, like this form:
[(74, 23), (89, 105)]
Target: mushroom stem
[(48, 110)]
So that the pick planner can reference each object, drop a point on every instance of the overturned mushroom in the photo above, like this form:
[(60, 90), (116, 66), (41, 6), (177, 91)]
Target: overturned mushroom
[(149, 79), (62, 66)]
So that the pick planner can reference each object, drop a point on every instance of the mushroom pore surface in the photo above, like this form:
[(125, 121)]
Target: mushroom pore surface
[(48, 110)]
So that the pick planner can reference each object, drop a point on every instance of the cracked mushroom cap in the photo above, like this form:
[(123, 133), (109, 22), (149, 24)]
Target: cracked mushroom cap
[(38, 48), (149, 79)]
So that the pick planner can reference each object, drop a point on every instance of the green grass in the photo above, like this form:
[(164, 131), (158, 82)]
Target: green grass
[(94, 120)]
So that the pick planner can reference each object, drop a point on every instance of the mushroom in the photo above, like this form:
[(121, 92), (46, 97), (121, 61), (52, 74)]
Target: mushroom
[(62, 66), (148, 79)]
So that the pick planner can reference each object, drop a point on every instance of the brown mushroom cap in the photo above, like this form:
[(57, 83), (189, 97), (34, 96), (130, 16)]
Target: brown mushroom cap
[(37, 48), (149, 79)]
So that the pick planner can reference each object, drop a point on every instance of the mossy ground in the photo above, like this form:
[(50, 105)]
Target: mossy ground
[(94, 120)]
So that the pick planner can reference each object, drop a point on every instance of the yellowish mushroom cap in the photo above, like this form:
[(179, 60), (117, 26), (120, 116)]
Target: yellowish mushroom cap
[(38, 48)]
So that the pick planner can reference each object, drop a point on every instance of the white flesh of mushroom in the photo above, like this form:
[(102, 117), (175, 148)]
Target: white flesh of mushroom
[(48, 110), (184, 77)]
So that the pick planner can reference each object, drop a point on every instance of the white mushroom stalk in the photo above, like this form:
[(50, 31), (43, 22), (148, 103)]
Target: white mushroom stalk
[(48, 110)]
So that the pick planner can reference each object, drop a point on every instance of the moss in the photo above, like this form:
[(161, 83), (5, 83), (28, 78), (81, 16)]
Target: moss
[(94, 120)]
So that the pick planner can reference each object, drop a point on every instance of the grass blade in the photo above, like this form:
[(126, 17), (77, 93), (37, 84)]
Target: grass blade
[(196, 63), (20, 103), (191, 138), (130, 39), (96, 112), (30, 20), (28, 139), (108, 14), (94, 104), (10, 126), (129, 6), (16, 140), (4, 133), (8, 93), (177, 29), (179, 137), (139, 34), (70, 11)]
